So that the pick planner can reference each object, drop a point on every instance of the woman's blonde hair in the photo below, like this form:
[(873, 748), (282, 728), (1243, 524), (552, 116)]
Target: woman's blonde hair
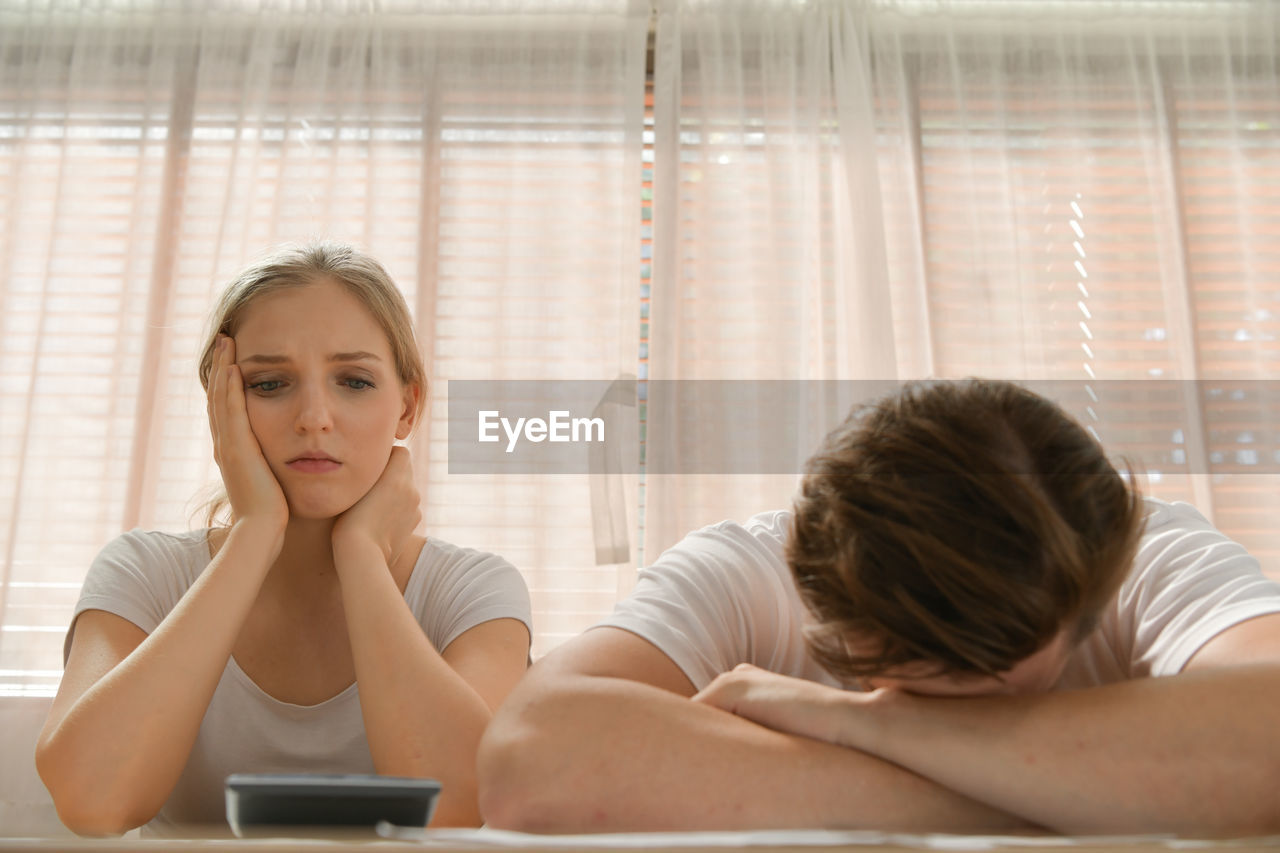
[(297, 265)]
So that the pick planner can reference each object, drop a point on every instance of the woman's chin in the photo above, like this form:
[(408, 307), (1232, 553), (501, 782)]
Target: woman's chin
[(312, 509)]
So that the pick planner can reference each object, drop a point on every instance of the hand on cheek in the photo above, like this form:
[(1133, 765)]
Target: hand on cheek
[(252, 489), (387, 514)]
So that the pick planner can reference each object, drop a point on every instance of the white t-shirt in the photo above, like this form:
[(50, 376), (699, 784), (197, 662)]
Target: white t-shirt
[(141, 575), (724, 595)]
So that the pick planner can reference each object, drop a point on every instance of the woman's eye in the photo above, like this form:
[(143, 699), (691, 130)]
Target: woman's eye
[(266, 386), (357, 384)]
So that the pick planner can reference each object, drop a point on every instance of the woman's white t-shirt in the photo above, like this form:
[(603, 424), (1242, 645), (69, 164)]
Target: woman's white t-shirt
[(141, 575)]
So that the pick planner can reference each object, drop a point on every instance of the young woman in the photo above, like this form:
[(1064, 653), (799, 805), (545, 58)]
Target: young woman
[(314, 631)]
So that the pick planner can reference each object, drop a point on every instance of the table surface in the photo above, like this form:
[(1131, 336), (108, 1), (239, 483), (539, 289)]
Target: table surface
[(474, 841)]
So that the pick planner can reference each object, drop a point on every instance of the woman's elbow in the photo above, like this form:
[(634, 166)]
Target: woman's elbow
[(85, 808), (94, 821), (94, 816)]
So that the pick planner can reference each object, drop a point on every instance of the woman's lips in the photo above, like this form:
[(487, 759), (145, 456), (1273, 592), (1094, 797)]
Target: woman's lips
[(313, 465)]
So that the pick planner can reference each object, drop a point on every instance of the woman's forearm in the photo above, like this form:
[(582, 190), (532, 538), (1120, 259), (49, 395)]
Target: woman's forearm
[(117, 741), (421, 717)]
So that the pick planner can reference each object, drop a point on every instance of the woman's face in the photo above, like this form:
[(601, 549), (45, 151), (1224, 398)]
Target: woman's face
[(322, 394)]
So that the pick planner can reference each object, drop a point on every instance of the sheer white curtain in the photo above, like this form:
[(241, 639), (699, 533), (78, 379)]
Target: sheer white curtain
[(1094, 201), (488, 153), (871, 190), (1077, 192), (769, 248)]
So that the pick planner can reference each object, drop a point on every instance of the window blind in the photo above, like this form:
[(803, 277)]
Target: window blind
[(1114, 230)]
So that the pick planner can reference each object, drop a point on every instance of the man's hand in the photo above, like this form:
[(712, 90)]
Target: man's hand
[(791, 705)]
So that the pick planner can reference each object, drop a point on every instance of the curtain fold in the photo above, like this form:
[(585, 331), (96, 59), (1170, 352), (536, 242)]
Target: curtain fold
[(769, 256)]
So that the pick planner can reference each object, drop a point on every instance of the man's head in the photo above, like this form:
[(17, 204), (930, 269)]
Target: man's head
[(959, 530)]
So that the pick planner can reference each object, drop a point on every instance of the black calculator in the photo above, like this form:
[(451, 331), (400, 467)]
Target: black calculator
[(281, 803)]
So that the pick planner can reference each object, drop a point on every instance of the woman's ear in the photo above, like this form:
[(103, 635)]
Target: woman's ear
[(412, 393)]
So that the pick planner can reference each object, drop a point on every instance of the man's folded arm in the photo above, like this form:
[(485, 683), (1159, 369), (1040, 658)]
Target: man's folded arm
[(601, 736), (1194, 754)]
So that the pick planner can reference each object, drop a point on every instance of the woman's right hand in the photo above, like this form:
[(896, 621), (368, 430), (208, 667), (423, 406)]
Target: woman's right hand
[(254, 491), (104, 732)]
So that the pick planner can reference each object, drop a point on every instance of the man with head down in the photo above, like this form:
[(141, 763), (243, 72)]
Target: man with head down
[(969, 621)]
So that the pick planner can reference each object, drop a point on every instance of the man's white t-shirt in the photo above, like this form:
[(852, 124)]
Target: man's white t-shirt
[(141, 575), (724, 595)]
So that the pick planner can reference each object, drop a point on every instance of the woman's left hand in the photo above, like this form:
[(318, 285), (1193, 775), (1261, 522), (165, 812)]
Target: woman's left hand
[(387, 515)]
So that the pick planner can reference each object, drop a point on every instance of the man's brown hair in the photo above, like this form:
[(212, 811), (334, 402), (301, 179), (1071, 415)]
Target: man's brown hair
[(958, 524)]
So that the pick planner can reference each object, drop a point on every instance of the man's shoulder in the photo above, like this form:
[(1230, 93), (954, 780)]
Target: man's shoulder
[(1177, 538), (773, 526), (1162, 515), (721, 596), (738, 566), (758, 542), (1189, 582)]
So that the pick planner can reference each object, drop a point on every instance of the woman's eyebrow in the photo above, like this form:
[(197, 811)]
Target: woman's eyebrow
[(358, 355)]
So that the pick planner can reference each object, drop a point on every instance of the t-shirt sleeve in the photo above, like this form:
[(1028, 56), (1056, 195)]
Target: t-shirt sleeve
[(1190, 583), (711, 601), (138, 576), (464, 588)]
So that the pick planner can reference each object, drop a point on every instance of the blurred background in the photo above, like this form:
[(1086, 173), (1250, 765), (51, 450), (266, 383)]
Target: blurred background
[(1078, 191)]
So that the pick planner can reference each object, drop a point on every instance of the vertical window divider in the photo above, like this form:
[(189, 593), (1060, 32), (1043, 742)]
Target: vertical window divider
[(1184, 307), (149, 412), (915, 139), (427, 295)]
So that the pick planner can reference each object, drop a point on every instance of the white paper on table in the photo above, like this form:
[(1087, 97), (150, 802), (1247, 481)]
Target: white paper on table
[(499, 838)]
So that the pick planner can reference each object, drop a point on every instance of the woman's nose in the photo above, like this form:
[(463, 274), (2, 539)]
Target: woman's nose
[(314, 412)]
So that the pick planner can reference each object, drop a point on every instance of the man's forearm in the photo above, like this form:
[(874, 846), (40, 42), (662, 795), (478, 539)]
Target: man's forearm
[(588, 754), (1195, 754)]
